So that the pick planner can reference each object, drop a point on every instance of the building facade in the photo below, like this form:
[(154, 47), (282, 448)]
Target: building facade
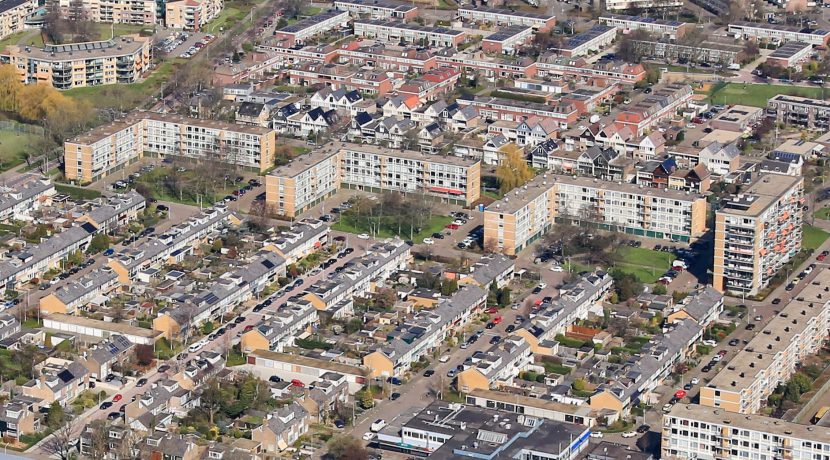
[(799, 111), (757, 232), (13, 14)]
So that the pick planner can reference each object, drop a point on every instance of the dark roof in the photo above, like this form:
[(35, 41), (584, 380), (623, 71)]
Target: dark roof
[(6, 5), (250, 109)]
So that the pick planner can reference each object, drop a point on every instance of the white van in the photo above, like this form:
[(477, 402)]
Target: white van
[(195, 347)]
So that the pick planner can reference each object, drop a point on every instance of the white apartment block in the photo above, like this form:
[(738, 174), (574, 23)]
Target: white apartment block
[(397, 32), (592, 40), (302, 30), (669, 29), (778, 32), (621, 5), (695, 432), (116, 11)]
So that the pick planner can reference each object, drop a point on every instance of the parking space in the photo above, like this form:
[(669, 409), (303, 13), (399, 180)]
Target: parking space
[(181, 44)]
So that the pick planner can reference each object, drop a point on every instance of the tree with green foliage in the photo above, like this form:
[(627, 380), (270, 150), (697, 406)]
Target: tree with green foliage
[(99, 243), (504, 297), (449, 286), (207, 327), (660, 289), (354, 325), (56, 416), (626, 285), (367, 399)]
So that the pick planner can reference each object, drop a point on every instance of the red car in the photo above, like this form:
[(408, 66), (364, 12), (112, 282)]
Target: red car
[(249, 327), (117, 398), (821, 257), (492, 311), (497, 320), (452, 227), (298, 383)]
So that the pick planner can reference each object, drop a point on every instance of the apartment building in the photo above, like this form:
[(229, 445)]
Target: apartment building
[(628, 5), (171, 246), (714, 50), (536, 407), (757, 232), (191, 14), (667, 29), (775, 353), (799, 111), (378, 9), (225, 293), (13, 14), (778, 33), (657, 106), (303, 30), (309, 179), (525, 214), (508, 40), (398, 32), (22, 194), (425, 333), (115, 11), (22, 266), (278, 331), (539, 22), (119, 60), (790, 54), (109, 148), (590, 41), (692, 431), (552, 64), (497, 366)]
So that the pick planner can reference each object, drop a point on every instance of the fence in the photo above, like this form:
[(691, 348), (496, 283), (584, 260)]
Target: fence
[(8, 125)]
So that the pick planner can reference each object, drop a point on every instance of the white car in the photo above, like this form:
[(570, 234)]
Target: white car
[(694, 381), (596, 434), (363, 236), (429, 241), (667, 407), (629, 434), (195, 347), (368, 436), (543, 285), (556, 268), (710, 343), (377, 425), (444, 359)]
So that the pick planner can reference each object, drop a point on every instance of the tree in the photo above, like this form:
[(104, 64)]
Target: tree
[(660, 289), (367, 399), (97, 436), (345, 447), (56, 416), (61, 443), (504, 297), (100, 242), (207, 327), (627, 285), (354, 325), (144, 354), (513, 171)]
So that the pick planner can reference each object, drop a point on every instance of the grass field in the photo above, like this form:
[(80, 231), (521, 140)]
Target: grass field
[(13, 148), (126, 97), (813, 237), (77, 192), (27, 37), (646, 264), (105, 30), (823, 214), (349, 225), (756, 95)]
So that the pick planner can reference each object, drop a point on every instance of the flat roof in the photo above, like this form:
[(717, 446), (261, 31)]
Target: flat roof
[(506, 33), (121, 46), (6, 5), (583, 411), (407, 26), (505, 12), (779, 28), (121, 328), (751, 422), (584, 37), (385, 4), (303, 24), (310, 362), (760, 195), (642, 20), (789, 49)]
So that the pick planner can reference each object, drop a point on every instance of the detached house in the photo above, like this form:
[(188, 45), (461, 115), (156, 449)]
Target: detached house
[(720, 159), (253, 113), (19, 417), (431, 138), (605, 164), (401, 106), (312, 121), (281, 428), (341, 100)]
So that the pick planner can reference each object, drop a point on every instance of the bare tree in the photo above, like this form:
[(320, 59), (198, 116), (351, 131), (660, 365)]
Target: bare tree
[(61, 443)]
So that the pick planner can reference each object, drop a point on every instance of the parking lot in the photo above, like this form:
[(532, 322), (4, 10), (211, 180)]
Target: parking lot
[(181, 44)]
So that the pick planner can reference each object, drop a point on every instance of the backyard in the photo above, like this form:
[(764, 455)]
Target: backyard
[(758, 95)]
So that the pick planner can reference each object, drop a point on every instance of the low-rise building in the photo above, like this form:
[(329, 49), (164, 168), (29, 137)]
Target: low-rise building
[(401, 32), (71, 297), (779, 33), (378, 9), (281, 428), (81, 325), (497, 366), (19, 417), (628, 5), (508, 40), (279, 330), (668, 29), (120, 60), (22, 194), (265, 363), (538, 407), (303, 30), (59, 381), (790, 55), (540, 22), (590, 41), (737, 118), (301, 239)]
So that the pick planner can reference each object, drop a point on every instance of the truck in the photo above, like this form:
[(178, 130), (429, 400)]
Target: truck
[(734, 66)]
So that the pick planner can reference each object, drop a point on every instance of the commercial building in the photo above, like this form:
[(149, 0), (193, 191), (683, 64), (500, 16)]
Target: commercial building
[(117, 61), (455, 430), (525, 214), (790, 54), (779, 33), (667, 29), (537, 407), (191, 14), (775, 353), (309, 179), (13, 14), (115, 11), (692, 431), (757, 232), (539, 22), (508, 40), (592, 40), (299, 32), (623, 5), (109, 148), (378, 9), (398, 32), (799, 111)]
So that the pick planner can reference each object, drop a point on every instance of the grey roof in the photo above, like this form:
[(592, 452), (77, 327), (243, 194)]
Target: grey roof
[(6, 5), (488, 268), (109, 208), (506, 33), (571, 298), (22, 188), (114, 347), (284, 417), (34, 254), (303, 24), (74, 290), (408, 26), (250, 109), (701, 303)]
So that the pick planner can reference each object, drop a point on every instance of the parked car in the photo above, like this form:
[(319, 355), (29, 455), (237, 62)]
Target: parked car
[(629, 434)]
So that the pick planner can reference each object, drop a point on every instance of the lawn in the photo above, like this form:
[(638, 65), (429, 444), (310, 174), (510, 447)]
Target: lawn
[(389, 228), (646, 264), (757, 95), (13, 148), (813, 237), (193, 189), (27, 37), (105, 31), (77, 193), (226, 18), (823, 214), (126, 97)]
